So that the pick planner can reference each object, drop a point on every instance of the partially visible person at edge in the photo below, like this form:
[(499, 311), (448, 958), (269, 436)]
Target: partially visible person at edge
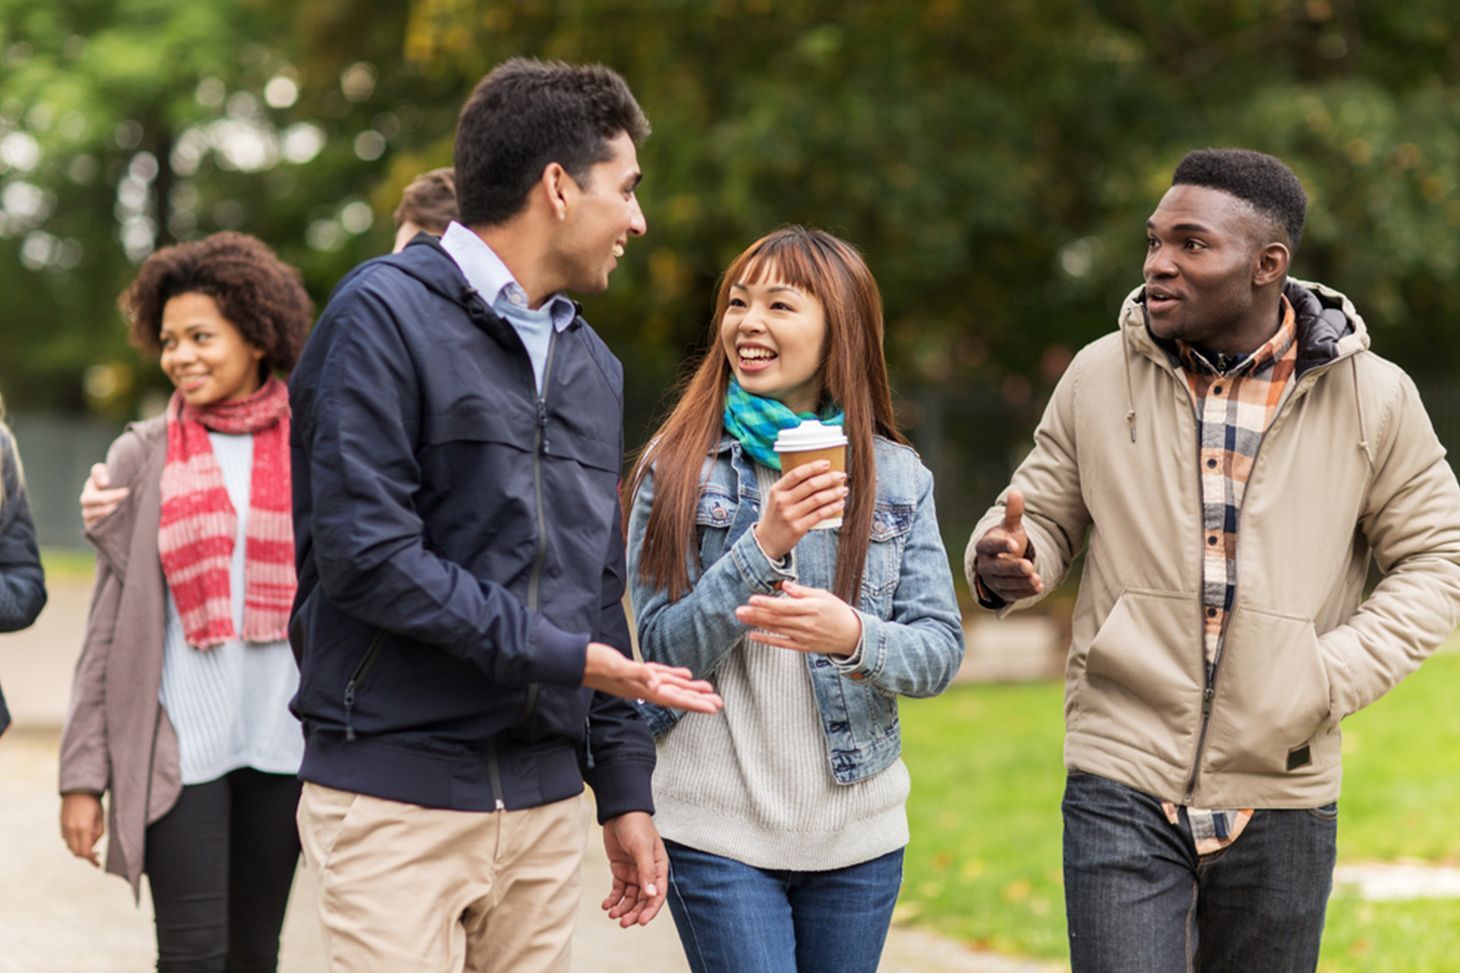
[(22, 581), (179, 708), (784, 817), (1235, 455), (428, 205), (463, 645)]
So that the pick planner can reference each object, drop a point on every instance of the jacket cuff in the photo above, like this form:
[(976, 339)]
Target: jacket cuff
[(623, 786), (870, 656), (555, 657), (761, 574)]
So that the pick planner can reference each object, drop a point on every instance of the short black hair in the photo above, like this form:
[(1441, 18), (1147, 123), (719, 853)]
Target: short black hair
[(1262, 181), (526, 114)]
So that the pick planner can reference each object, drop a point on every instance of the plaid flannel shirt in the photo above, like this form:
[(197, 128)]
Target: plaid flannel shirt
[(1235, 401)]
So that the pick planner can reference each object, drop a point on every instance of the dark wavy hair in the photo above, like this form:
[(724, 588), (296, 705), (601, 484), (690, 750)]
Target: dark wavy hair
[(526, 114), (259, 294), (1261, 181)]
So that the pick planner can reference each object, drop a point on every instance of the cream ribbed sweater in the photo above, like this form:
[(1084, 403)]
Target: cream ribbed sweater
[(753, 782)]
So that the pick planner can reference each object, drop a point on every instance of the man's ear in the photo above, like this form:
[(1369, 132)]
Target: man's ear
[(559, 188), (1270, 264)]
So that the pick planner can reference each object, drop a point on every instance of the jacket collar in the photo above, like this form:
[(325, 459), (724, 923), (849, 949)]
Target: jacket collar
[(1329, 327)]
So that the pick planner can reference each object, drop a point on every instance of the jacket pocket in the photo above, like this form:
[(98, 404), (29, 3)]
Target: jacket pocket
[(1272, 693), (714, 514), (1143, 676), (891, 524)]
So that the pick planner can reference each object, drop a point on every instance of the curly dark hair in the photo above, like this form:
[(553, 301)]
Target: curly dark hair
[(259, 294), (1262, 181)]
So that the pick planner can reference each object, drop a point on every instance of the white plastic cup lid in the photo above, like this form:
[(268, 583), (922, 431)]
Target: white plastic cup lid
[(810, 434)]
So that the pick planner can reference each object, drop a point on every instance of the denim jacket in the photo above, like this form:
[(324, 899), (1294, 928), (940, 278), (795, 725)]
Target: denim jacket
[(912, 634)]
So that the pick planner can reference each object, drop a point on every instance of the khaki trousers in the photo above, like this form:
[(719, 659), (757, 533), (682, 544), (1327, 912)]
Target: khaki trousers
[(408, 888)]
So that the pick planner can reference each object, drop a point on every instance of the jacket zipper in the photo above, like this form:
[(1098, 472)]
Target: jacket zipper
[(1210, 691), (361, 670), (541, 447)]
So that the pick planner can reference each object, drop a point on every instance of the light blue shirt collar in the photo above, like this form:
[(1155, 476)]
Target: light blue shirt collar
[(489, 276)]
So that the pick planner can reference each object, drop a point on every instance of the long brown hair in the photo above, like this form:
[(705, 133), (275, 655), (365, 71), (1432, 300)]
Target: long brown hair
[(854, 375)]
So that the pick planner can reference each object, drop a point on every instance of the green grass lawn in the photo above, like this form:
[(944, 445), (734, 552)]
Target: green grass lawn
[(984, 863)]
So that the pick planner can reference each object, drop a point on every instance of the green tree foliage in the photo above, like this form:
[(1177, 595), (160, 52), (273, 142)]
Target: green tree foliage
[(995, 161)]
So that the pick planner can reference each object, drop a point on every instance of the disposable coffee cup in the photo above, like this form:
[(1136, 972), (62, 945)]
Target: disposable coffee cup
[(809, 442)]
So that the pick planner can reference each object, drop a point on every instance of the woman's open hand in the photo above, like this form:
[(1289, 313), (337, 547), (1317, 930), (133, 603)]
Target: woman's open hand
[(797, 502), (807, 620)]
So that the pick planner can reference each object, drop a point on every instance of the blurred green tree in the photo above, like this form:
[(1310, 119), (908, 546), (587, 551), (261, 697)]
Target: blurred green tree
[(996, 161)]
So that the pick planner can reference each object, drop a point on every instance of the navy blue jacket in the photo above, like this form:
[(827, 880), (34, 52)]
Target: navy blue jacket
[(22, 582), (459, 541)]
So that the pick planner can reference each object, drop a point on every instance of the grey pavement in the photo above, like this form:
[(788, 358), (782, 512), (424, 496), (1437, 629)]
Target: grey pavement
[(60, 915)]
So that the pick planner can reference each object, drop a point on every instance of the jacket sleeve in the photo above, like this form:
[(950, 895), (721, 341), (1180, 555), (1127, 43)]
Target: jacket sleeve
[(1411, 520), (917, 651), (85, 756), (1055, 517), (359, 426), (618, 756), (700, 629), (22, 582)]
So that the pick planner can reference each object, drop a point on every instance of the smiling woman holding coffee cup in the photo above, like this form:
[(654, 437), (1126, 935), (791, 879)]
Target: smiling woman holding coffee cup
[(783, 543)]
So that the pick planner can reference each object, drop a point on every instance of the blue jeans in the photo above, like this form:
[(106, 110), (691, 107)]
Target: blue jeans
[(735, 918), (1139, 897)]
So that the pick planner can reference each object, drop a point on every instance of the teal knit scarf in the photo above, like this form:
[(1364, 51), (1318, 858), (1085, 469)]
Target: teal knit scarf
[(756, 422)]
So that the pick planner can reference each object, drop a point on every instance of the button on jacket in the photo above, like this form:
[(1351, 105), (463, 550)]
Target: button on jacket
[(459, 543), (1349, 468)]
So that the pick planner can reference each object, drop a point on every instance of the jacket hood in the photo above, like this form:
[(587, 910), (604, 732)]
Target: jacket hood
[(425, 260), (1329, 326), (1330, 329)]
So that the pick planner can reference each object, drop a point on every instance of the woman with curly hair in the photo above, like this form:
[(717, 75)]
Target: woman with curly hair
[(179, 706)]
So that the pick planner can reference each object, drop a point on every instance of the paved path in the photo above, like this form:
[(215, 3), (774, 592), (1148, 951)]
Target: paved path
[(59, 915)]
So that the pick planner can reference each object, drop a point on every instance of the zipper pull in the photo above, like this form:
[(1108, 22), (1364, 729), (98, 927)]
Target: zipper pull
[(588, 742), (1206, 700), (349, 706)]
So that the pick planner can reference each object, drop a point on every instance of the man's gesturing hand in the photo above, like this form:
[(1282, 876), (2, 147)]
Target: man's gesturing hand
[(608, 670), (640, 869), (999, 555)]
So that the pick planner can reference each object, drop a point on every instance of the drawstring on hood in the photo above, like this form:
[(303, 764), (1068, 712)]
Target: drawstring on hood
[(1130, 397), (1359, 408)]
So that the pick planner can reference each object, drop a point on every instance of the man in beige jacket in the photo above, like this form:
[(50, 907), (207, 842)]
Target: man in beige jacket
[(1234, 455)]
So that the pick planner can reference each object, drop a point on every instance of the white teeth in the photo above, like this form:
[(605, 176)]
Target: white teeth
[(756, 354), (618, 249)]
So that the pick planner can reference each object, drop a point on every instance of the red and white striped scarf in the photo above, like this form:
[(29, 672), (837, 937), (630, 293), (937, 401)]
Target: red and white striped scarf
[(199, 524)]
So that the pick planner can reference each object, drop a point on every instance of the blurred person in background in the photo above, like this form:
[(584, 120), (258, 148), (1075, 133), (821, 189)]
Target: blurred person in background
[(179, 710), (428, 205), (785, 816), (22, 582)]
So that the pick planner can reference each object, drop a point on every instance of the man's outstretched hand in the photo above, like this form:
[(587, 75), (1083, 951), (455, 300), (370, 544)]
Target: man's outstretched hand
[(1000, 555), (609, 671)]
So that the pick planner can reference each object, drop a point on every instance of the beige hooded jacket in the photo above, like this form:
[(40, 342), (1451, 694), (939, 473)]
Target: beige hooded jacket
[(1349, 468)]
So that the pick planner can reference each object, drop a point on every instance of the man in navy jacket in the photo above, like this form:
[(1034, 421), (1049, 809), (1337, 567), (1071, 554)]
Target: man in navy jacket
[(465, 662)]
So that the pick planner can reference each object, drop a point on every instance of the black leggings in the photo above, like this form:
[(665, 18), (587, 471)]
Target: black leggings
[(220, 864)]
